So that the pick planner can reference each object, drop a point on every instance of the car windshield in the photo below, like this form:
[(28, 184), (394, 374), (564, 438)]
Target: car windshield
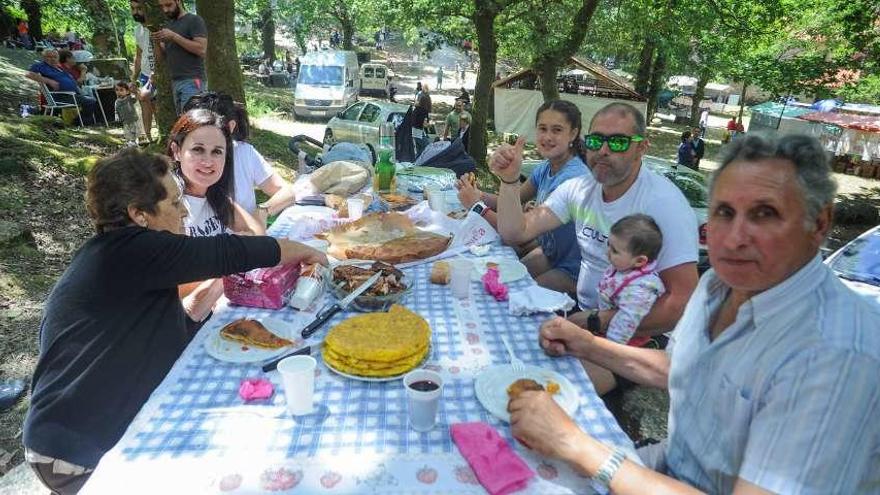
[(860, 260), (320, 75)]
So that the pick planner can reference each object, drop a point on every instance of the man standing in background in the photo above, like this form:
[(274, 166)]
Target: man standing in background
[(184, 43), (144, 65)]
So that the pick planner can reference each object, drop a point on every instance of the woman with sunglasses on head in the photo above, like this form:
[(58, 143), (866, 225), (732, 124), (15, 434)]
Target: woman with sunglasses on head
[(251, 168), (200, 145), (113, 326), (553, 261), (618, 186)]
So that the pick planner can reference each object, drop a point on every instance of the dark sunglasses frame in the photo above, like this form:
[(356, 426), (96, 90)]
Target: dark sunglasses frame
[(617, 143)]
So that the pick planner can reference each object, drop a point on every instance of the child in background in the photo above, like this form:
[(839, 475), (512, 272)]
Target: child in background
[(630, 285), (126, 113)]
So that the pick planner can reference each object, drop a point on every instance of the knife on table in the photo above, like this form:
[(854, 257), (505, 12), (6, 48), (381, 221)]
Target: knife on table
[(302, 351), (328, 311)]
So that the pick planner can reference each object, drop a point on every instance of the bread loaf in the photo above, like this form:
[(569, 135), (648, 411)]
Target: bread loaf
[(440, 273)]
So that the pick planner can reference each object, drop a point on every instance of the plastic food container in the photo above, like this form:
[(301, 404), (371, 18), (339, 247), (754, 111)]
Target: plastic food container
[(366, 303)]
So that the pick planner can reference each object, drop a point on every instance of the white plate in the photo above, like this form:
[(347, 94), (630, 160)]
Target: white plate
[(491, 388), (237, 352), (510, 270), (374, 378)]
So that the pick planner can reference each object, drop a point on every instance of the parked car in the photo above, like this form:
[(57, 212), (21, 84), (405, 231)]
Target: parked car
[(375, 79), (857, 264), (359, 123), (691, 183)]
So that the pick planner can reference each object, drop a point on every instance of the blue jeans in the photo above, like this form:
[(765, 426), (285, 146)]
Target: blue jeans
[(184, 89)]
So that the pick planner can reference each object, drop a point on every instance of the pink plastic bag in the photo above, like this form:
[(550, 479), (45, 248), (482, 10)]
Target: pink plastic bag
[(269, 288)]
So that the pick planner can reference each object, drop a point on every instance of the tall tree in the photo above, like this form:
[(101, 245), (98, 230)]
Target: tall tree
[(34, 17), (221, 61), (267, 31), (105, 38), (548, 35)]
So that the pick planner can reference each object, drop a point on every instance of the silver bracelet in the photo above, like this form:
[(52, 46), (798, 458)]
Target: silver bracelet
[(602, 478)]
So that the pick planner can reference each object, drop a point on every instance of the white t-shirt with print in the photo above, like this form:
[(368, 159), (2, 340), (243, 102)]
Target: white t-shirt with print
[(580, 200), (142, 38), (202, 220), (251, 170)]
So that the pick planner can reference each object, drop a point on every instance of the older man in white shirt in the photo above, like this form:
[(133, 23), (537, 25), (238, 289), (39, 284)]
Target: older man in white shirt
[(773, 369)]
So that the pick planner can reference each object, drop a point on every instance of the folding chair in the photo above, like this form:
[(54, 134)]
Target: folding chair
[(52, 104)]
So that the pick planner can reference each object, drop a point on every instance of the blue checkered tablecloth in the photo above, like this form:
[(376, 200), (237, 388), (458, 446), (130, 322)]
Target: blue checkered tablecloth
[(196, 435)]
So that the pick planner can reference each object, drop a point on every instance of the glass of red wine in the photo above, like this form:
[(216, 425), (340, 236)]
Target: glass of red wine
[(423, 389)]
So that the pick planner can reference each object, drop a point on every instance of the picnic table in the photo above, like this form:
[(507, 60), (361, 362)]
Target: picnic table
[(196, 435)]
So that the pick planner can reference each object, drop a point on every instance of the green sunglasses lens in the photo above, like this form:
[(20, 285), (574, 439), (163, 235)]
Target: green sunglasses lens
[(618, 144), (593, 142)]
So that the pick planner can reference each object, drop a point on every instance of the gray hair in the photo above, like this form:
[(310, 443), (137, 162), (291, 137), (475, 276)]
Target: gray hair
[(810, 160), (624, 110)]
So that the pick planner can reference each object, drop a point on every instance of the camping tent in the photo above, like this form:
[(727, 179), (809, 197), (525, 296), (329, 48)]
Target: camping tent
[(766, 117), (515, 106)]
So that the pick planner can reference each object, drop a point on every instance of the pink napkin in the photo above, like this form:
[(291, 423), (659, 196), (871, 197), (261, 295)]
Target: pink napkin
[(255, 389), (492, 284), (496, 465)]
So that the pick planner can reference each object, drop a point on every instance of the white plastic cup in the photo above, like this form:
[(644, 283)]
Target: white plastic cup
[(423, 404), (355, 208), (298, 378), (460, 278), (435, 199)]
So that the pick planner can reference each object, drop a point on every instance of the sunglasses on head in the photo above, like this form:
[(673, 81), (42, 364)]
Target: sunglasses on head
[(618, 143)]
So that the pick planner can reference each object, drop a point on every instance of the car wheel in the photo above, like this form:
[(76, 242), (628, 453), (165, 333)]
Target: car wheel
[(329, 140)]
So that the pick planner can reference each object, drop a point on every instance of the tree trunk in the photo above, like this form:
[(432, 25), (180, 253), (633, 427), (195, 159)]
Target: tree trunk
[(347, 33), (34, 17), (742, 101), (487, 48), (268, 34), (165, 113), (221, 62), (698, 97), (646, 61), (657, 73), (104, 39), (549, 87)]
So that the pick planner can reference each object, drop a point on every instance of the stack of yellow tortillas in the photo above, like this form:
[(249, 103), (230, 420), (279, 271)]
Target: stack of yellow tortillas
[(378, 344)]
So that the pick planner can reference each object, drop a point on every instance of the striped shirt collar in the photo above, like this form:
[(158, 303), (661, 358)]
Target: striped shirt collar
[(766, 305)]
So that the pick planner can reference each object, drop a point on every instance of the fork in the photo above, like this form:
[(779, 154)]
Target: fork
[(515, 362)]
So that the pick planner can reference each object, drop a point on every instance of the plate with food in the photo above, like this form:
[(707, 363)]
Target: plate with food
[(390, 237), (397, 202), (509, 270), (390, 289), (251, 340), (377, 347), (496, 385)]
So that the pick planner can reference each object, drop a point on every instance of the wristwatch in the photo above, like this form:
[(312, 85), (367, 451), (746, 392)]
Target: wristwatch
[(479, 208), (601, 481)]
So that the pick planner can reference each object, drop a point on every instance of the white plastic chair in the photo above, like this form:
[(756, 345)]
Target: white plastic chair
[(52, 104)]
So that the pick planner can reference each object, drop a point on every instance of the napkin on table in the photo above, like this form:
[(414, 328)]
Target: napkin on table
[(255, 389), (536, 299), (499, 469), (492, 284)]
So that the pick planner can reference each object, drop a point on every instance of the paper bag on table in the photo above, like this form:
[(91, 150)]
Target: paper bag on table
[(473, 230)]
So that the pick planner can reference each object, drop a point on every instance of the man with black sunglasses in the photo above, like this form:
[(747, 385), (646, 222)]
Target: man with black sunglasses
[(619, 186)]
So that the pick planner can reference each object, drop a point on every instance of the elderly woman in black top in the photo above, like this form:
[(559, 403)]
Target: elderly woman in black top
[(113, 325)]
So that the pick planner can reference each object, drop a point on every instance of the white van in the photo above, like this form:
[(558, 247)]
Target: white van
[(375, 78), (328, 81)]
